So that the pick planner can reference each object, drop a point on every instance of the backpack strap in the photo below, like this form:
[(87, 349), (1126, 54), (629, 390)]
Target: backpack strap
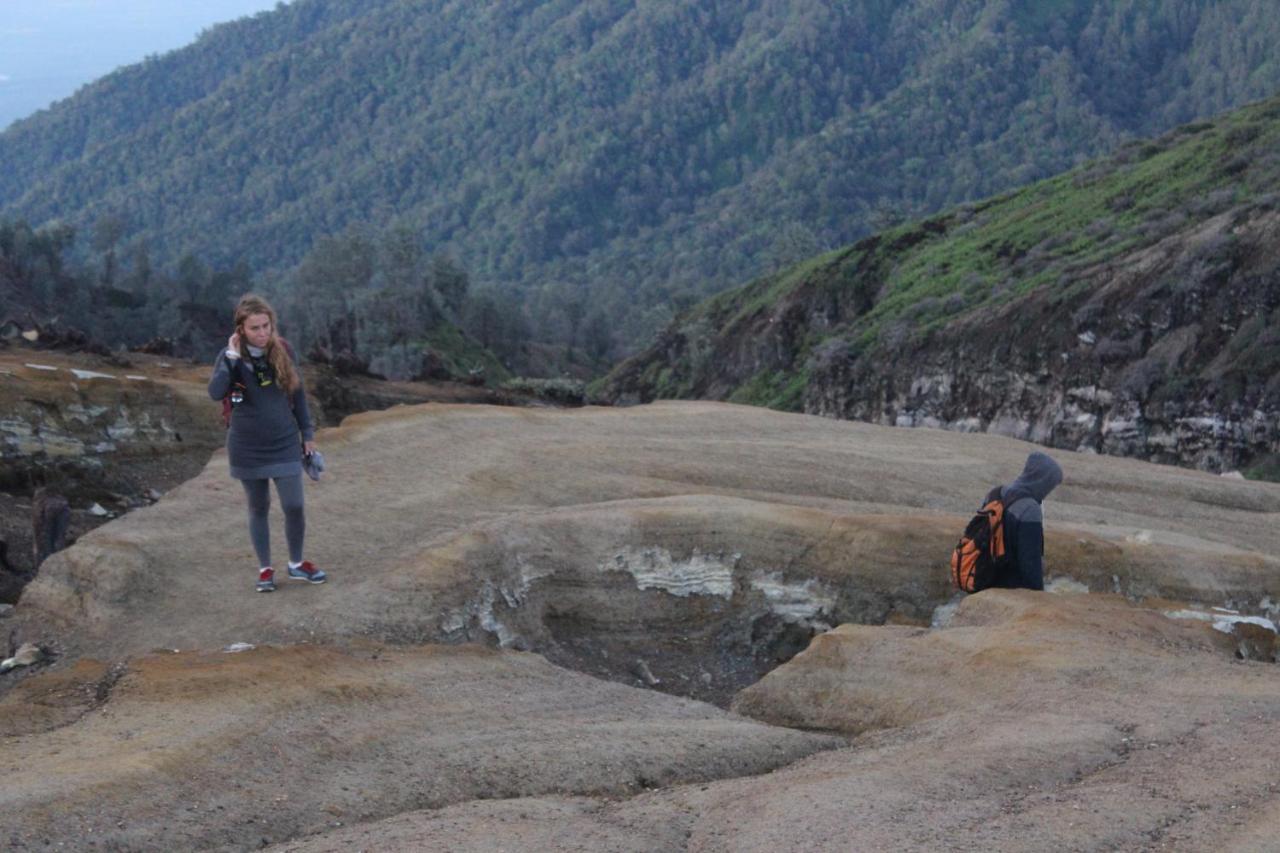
[(237, 384)]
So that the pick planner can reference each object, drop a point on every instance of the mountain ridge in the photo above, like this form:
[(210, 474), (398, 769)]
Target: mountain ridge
[(617, 153)]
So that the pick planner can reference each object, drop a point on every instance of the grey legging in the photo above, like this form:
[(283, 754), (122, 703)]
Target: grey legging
[(295, 522)]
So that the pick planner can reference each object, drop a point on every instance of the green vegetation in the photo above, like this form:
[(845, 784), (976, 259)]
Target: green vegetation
[(463, 356), (888, 293), (563, 392), (595, 165), (972, 258), (1267, 468), (773, 390), (363, 300)]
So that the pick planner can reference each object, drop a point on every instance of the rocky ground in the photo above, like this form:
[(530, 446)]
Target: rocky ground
[(553, 629), (109, 433)]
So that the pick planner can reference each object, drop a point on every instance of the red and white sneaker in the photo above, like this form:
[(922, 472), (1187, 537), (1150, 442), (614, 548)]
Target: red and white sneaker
[(266, 580), (307, 572)]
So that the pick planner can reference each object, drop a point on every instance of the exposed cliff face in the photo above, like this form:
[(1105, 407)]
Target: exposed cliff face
[(83, 424), (1167, 354), (1129, 307), (106, 434)]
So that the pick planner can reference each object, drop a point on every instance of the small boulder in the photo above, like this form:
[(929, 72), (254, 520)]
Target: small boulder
[(1254, 642), (27, 654), (642, 671)]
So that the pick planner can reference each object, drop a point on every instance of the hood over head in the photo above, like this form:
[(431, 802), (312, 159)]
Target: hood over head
[(1040, 476)]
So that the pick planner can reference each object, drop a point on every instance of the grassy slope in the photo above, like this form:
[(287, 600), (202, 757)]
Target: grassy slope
[(462, 354)]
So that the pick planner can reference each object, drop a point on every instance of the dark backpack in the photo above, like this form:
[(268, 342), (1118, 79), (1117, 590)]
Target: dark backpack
[(979, 556), (228, 403)]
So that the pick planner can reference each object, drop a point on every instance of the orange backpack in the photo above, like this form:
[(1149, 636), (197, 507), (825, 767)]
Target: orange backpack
[(980, 555)]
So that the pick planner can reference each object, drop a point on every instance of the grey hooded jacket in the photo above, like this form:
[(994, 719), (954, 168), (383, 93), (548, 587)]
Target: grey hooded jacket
[(1024, 522), (268, 427)]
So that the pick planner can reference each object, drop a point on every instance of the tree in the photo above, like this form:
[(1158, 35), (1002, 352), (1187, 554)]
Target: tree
[(193, 279), (574, 311), (225, 287), (404, 274), (483, 320), (326, 284), (140, 275), (794, 242), (497, 322), (450, 281), (107, 231), (597, 336)]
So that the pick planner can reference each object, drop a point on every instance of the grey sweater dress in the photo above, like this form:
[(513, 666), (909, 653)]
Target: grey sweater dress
[(263, 441)]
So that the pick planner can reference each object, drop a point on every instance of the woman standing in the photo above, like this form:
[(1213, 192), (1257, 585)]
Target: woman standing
[(257, 373)]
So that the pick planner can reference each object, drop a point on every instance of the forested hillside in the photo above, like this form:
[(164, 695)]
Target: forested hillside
[(605, 160), (362, 300), (1129, 306)]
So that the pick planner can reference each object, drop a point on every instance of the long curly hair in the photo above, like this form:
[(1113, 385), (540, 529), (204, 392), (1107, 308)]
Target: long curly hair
[(277, 351)]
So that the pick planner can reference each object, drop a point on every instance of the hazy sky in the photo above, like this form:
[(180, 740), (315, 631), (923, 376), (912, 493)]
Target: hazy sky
[(50, 48)]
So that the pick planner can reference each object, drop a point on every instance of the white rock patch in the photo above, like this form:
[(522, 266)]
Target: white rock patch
[(944, 613), (1066, 585), (489, 621), (1224, 623), (1222, 619), (655, 568), (799, 603)]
